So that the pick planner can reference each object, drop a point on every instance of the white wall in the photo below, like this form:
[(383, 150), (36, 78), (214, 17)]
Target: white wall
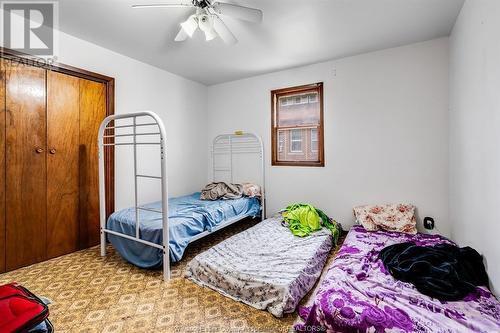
[(181, 103), (475, 131), (386, 131)]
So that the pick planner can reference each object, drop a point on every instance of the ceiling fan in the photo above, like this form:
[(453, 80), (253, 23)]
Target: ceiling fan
[(207, 18)]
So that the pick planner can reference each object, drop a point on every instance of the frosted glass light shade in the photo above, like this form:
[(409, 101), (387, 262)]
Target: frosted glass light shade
[(190, 25)]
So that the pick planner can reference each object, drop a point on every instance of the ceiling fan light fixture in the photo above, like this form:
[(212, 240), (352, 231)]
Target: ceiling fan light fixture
[(206, 25), (207, 18), (190, 25)]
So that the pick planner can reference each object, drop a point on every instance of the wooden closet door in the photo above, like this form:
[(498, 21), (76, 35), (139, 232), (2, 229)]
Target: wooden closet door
[(92, 113), (26, 165), (2, 166), (62, 163)]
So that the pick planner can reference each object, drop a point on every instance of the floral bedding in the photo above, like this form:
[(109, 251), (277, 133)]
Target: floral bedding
[(357, 294), (265, 266)]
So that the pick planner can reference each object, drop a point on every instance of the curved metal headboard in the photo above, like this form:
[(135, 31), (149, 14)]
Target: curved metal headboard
[(235, 144), (155, 135)]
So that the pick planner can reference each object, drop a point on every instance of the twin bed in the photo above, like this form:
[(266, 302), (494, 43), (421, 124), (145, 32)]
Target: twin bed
[(265, 266), (358, 295), (269, 268), (189, 217), (150, 235)]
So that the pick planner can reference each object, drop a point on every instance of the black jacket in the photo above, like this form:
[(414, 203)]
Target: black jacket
[(443, 271)]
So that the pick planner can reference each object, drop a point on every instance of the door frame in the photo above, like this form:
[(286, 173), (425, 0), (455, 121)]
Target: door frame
[(109, 82)]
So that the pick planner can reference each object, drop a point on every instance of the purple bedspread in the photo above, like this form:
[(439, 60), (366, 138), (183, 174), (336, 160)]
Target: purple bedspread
[(358, 295)]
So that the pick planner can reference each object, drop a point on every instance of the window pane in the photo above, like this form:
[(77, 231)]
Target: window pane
[(314, 140), (302, 110), (296, 141), (281, 141), (296, 147), (298, 144), (296, 134)]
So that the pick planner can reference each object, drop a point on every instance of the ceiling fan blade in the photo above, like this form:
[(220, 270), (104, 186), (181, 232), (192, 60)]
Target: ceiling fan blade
[(223, 31), (181, 36), (239, 12), (164, 5)]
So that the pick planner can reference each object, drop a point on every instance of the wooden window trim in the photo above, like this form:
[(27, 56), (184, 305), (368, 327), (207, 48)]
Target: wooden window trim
[(275, 95)]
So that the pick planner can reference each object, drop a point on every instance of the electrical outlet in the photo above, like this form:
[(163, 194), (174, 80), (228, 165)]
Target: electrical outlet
[(429, 223)]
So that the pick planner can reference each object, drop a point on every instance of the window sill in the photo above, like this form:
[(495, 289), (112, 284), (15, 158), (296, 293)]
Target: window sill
[(299, 164)]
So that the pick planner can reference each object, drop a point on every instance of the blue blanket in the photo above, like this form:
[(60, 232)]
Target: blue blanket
[(188, 217)]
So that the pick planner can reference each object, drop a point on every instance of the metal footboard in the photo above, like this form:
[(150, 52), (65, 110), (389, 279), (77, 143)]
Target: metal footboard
[(116, 130)]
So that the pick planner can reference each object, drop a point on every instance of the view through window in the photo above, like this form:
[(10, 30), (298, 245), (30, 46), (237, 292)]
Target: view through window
[(297, 126)]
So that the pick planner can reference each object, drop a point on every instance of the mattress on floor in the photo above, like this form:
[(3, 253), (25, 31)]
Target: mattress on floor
[(188, 217), (265, 266), (357, 294)]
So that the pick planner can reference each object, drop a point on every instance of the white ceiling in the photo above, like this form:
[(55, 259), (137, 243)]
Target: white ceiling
[(294, 32)]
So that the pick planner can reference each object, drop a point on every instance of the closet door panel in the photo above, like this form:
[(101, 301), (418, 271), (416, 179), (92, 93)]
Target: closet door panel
[(2, 166), (62, 163), (26, 167), (92, 112)]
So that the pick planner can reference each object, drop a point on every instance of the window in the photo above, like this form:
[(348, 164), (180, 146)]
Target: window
[(296, 141), (297, 126), (314, 140)]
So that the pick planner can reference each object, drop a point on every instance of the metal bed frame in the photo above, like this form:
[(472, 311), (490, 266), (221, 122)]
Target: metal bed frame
[(227, 144)]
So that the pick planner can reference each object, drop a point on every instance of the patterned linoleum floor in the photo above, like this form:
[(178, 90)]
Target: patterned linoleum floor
[(91, 293)]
